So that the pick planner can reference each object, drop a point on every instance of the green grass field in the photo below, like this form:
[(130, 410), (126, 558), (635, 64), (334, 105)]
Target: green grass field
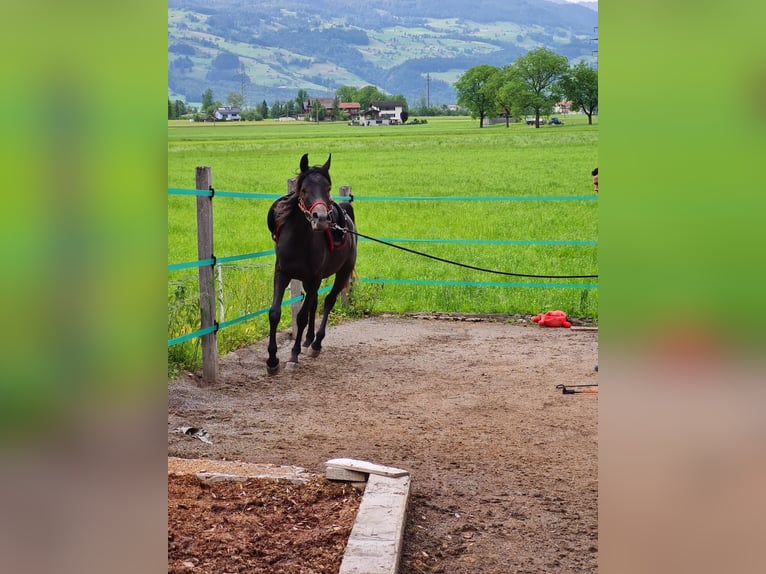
[(446, 157)]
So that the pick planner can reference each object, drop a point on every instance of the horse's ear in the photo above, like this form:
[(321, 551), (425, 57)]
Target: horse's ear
[(304, 162), (326, 166)]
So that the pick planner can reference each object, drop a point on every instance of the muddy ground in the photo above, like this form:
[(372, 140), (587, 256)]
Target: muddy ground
[(504, 466)]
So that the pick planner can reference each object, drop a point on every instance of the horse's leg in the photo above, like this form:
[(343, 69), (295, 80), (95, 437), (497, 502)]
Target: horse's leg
[(312, 318), (341, 278), (275, 314), (302, 319)]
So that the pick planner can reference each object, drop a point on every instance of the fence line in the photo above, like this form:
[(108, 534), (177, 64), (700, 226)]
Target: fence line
[(222, 260), (218, 260), (224, 324), (477, 283), (207, 261), (247, 195)]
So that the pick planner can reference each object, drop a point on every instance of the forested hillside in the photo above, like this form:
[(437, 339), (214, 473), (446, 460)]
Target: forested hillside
[(269, 50)]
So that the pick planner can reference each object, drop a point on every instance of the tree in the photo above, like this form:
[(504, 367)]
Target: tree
[(399, 98), (301, 99), (177, 109), (369, 94), (318, 111), (580, 86), (533, 80), (207, 102), (264, 109), (277, 109), (475, 90), (506, 96), (347, 94), (235, 100), (252, 115)]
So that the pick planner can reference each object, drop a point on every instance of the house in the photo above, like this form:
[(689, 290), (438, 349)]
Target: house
[(563, 107), (227, 114), (326, 103), (352, 109), (383, 113)]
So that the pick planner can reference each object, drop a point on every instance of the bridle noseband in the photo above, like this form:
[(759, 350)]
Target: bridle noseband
[(308, 211)]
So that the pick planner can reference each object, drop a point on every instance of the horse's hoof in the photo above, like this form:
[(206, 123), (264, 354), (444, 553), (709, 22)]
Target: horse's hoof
[(272, 370), (312, 352), (291, 365)]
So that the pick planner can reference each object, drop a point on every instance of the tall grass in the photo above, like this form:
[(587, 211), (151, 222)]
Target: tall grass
[(445, 157)]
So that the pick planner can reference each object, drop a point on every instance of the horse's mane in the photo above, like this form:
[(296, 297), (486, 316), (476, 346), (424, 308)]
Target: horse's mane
[(282, 208)]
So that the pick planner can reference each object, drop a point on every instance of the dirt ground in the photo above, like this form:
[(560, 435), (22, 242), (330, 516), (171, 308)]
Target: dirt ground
[(504, 466)]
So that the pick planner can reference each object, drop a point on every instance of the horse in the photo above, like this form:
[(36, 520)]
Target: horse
[(314, 238)]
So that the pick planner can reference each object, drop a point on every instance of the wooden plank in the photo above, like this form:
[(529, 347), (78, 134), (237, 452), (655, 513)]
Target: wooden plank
[(206, 281), (366, 467)]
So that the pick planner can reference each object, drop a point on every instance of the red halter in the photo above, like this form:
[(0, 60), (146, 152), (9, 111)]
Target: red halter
[(307, 211)]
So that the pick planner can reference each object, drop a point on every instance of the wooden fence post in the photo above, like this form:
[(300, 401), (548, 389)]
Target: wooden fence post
[(206, 282)]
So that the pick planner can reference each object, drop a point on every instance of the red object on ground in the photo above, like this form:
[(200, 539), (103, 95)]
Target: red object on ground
[(552, 319)]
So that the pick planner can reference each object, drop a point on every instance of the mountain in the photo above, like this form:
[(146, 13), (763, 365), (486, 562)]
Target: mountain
[(592, 5), (415, 48)]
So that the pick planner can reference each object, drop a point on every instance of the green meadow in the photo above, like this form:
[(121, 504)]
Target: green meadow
[(446, 157)]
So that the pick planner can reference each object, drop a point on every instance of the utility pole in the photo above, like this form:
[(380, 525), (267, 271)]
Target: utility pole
[(242, 76), (595, 52), (428, 89)]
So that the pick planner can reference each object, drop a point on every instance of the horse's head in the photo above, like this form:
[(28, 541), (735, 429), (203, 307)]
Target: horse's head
[(314, 193)]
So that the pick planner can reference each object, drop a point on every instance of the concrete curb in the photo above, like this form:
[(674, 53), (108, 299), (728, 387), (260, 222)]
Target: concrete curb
[(375, 543)]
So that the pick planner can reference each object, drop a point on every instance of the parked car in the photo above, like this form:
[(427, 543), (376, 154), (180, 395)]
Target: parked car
[(555, 122), (531, 122)]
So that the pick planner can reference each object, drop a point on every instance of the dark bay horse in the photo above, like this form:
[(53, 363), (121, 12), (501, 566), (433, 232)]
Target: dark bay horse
[(312, 241)]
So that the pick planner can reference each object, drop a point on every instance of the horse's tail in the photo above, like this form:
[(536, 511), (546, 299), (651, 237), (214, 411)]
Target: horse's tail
[(350, 282)]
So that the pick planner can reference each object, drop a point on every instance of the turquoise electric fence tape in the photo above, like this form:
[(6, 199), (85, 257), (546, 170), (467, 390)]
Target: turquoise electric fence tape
[(229, 323), (480, 283), (244, 195)]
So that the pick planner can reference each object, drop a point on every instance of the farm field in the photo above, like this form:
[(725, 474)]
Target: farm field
[(446, 157)]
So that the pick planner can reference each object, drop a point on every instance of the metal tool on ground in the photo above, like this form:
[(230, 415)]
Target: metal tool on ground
[(570, 389)]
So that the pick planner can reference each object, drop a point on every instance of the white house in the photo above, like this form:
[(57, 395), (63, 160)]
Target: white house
[(383, 113), (228, 114)]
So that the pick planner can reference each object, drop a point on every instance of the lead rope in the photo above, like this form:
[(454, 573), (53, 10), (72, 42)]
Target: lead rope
[(407, 249)]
